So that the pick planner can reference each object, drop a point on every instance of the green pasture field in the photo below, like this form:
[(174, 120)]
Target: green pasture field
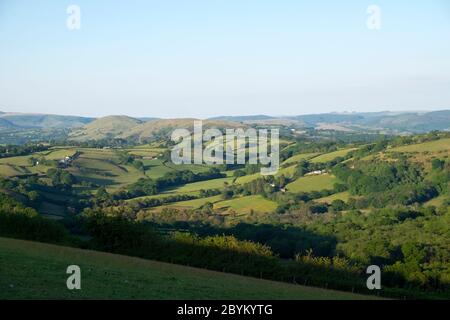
[(244, 205), (31, 270), (287, 172), (312, 183), (196, 203), (201, 185), (344, 196), (332, 155), (299, 157), (432, 146)]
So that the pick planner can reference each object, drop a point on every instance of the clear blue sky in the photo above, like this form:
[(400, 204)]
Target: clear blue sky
[(180, 58)]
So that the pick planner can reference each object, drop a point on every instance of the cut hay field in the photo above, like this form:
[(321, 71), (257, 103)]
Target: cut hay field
[(248, 178), (195, 168), (31, 270), (57, 153), (312, 183), (287, 172), (16, 161), (146, 151), (155, 169), (189, 204), (19, 166), (8, 170), (299, 157), (432, 146), (201, 185), (244, 205), (332, 155), (344, 196), (240, 205)]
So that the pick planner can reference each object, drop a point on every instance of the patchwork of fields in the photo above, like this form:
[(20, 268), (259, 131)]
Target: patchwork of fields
[(373, 173), (103, 167), (240, 205)]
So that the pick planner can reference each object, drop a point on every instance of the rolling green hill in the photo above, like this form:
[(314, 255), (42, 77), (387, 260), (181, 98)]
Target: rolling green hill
[(31, 270), (45, 121), (107, 127), (5, 124), (164, 127)]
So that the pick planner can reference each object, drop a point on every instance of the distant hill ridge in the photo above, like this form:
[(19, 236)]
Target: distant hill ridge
[(5, 124), (163, 127), (121, 126), (106, 127), (45, 121)]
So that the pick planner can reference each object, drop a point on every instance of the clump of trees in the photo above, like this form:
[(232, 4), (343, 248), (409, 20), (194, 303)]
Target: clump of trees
[(22, 222), (14, 150), (61, 178)]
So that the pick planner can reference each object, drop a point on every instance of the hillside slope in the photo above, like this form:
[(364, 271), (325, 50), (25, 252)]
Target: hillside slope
[(106, 127), (5, 124), (31, 270), (44, 121), (164, 127)]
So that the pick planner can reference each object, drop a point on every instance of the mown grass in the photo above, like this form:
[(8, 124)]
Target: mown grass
[(287, 172), (31, 270), (201, 185), (244, 205), (344, 196), (155, 169), (332, 155), (312, 183), (57, 153), (240, 205), (300, 157), (16, 161), (7, 170), (432, 146), (196, 203)]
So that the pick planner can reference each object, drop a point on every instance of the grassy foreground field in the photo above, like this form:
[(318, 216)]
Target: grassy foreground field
[(31, 270)]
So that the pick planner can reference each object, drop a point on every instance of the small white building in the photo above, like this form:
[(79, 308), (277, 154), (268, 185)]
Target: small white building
[(316, 173)]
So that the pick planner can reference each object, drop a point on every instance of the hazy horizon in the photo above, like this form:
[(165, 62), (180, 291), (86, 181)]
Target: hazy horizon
[(223, 115), (173, 59)]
